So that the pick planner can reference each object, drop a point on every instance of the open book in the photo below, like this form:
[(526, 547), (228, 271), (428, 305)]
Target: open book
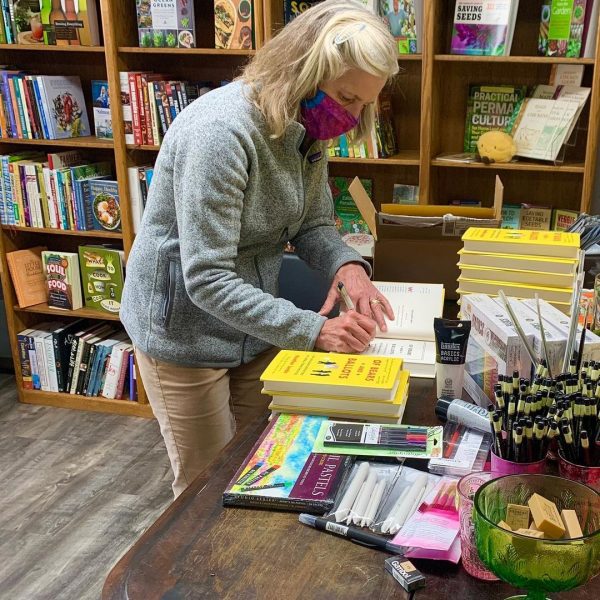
[(410, 336)]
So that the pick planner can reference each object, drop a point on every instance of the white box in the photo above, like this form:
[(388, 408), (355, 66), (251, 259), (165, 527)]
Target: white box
[(495, 347)]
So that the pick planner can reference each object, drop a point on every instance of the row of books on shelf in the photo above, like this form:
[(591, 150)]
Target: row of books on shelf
[(541, 218), (567, 27), (151, 102), (58, 191), (93, 276), (37, 107), (50, 22), (139, 185), (79, 358)]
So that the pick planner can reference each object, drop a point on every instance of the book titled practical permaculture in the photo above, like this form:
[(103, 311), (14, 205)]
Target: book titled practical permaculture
[(282, 472), (491, 107), (63, 279), (166, 23)]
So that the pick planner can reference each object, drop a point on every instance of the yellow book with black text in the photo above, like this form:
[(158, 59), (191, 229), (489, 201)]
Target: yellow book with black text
[(518, 290), (521, 262), (333, 374), (517, 276), (518, 241)]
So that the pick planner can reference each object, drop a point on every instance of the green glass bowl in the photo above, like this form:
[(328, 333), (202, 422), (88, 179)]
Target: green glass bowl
[(539, 566)]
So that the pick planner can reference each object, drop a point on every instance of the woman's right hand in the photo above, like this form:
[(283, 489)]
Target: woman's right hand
[(350, 332)]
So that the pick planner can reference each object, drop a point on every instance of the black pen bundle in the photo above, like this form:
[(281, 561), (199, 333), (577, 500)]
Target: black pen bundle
[(548, 414), (588, 226)]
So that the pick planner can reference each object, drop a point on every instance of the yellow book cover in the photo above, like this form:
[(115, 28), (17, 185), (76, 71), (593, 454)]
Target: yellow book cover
[(518, 241), (367, 404), (478, 286), (333, 374), (521, 262), (345, 414), (517, 276)]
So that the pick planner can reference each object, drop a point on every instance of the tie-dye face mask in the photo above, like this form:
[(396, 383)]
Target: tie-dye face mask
[(324, 118)]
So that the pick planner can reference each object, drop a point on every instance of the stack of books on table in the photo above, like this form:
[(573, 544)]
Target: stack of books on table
[(344, 386), (521, 263)]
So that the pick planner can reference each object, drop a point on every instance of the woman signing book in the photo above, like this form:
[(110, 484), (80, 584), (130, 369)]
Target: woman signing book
[(241, 172)]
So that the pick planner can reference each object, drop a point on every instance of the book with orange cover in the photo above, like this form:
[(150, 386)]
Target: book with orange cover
[(27, 272)]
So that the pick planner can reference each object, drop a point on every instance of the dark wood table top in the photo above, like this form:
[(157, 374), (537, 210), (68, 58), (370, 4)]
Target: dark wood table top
[(198, 549)]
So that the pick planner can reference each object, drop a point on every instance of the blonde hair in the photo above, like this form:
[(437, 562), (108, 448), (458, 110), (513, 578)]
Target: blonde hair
[(319, 45)]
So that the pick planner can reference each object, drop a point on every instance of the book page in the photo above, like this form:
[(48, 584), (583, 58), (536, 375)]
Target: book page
[(411, 351), (415, 305)]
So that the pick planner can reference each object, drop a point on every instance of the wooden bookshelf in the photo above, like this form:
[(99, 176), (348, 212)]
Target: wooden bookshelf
[(429, 99), (111, 235), (79, 313)]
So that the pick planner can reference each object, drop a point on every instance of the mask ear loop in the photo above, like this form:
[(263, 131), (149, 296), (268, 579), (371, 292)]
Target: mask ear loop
[(349, 33)]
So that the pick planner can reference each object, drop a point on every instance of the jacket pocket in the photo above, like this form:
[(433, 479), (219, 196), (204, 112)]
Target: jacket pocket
[(169, 297)]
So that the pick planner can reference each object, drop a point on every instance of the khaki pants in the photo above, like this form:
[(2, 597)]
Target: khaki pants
[(199, 409)]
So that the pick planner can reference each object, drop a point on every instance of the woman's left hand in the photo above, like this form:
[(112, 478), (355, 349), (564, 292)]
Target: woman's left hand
[(367, 299)]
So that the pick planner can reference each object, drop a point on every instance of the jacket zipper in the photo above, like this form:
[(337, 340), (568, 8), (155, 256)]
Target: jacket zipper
[(167, 307)]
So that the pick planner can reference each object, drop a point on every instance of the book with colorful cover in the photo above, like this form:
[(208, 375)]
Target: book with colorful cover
[(405, 22), (166, 23), (102, 205), (26, 21), (511, 216), (234, 24), (489, 108), (535, 217), (293, 8), (63, 279), (333, 374), (102, 277), (348, 218), (562, 219), (562, 25), (282, 472), (64, 97), (101, 110), (483, 27), (28, 275)]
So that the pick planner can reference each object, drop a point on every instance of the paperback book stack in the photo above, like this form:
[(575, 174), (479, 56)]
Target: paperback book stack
[(521, 263), (370, 388), (78, 358)]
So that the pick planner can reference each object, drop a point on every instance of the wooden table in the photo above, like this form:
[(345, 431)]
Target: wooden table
[(198, 549)]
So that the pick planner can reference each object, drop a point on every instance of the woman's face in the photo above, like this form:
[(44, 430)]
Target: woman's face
[(354, 90)]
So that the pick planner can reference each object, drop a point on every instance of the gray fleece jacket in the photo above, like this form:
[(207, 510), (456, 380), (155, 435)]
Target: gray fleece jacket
[(202, 276)]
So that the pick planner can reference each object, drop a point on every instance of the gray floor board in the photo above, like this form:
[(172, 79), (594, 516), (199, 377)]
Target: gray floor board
[(77, 490)]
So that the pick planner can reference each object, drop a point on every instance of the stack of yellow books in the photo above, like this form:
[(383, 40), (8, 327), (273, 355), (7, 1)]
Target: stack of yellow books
[(521, 263), (343, 386)]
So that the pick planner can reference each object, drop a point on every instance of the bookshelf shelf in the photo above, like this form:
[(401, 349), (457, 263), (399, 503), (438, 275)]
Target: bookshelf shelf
[(416, 57), (47, 231), (146, 148), (80, 313), (405, 158), (185, 51), (542, 60), (76, 142), (96, 404), (45, 48), (574, 167)]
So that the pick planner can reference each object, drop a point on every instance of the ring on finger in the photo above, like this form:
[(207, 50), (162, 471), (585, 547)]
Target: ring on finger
[(374, 301)]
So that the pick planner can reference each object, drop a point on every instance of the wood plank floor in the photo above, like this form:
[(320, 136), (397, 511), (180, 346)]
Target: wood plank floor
[(77, 489)]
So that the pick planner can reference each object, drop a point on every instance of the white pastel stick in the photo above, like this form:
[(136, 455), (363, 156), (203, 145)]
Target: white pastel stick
[(357, 499), (416, 490), (348, 499), (358, 511), (390, 518), (374, 504), (398, 526)]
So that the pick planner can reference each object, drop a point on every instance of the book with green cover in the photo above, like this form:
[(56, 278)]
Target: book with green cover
[(347, 216), (489, 108), (102, 277), (562, 27)]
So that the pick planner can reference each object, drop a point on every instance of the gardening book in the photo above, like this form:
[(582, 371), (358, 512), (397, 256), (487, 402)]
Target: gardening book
[(333, 374), (166, 23), (282, 472), (405, 22), (484, 27), (63, 279), (489, 108), (102, 277), (562, 26), (28, 275), (66, 105)]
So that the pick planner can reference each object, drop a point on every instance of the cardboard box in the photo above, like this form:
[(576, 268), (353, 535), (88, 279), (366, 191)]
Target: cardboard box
[(422, 249)]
